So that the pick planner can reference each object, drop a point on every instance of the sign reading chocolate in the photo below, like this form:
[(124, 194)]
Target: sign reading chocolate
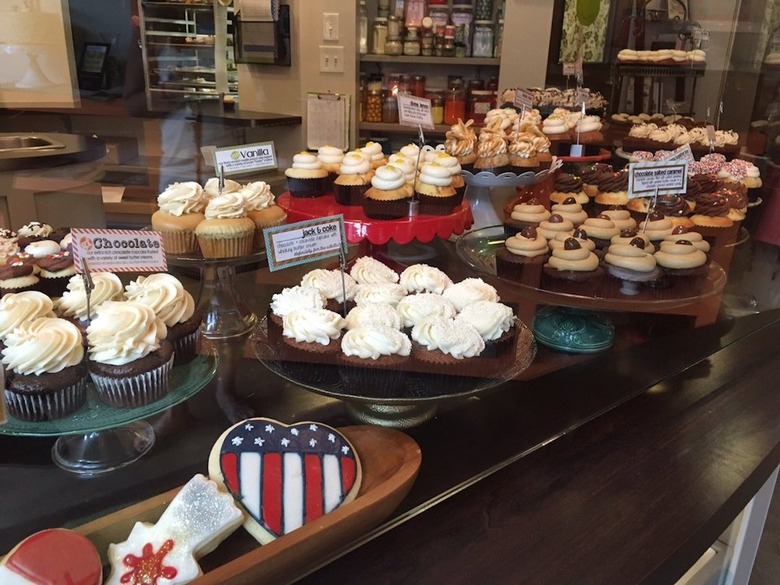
[(246, 159), (415, 111), (294, 244), (119, 250), (646, 179)]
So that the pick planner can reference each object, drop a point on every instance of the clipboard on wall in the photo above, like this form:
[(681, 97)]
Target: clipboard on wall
[(327, 120)]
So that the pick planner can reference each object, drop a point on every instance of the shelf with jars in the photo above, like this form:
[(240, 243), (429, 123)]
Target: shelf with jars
[(443, 50)]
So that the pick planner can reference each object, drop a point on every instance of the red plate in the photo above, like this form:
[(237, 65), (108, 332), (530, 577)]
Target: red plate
[(358, 227)]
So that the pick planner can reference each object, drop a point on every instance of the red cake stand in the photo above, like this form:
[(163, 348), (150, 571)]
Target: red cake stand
[(359, 228)]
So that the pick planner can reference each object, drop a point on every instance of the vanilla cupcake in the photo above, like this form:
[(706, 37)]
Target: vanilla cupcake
[(374, 154), (330, 157), (523, 156), (461, 142), (261, 209), (130, 361), (408, 167), (180, 211), (415, 308), (368, 270), (434, 190), (336, 290), (354, 179), (388, 197), (468, 291), (226, 232), (492, 150), (451, 164), (307, 177)]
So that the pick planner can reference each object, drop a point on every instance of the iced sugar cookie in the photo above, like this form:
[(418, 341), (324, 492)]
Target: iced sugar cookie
[(198, 518), (284, 476), (56, 557)]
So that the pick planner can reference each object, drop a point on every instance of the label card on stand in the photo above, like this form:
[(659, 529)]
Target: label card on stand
[(581, 97), (415, 111), (682, 154), (569, 69), (118, 250), (247, 159), (523, 100), (663, 178), (294, 244)]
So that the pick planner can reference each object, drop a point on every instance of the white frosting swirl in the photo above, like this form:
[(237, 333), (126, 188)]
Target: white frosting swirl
[(211, 188), (419, 278), (228, 206), (330, 155), (257, 195), (73, 302), (367, 270), (35, 229), (165, 295), (43, 346), (468, 291), (19, 308), (432, 173), (306, 160), (388, 178), (411, 151), (415, 308), (123, 332), (42, 248), (490, 319), (449, 162), (386, 292), (312, 325), (296, 297), (407, 166), (181, 198), (329, 283), (374, 342), (459, 341), (354, 164), (374, 151), (373, 315)]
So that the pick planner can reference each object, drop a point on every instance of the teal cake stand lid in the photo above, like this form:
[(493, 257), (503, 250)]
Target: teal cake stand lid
[(573, 330)]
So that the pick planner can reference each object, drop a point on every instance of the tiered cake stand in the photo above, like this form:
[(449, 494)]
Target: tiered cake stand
[(568, 322), (98, 438)]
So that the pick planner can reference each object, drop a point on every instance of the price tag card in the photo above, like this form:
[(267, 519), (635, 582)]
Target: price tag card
[(415, 111), (523, 99), (582, 96), (711, 133), (294, 244), (667, 178), (682, 154), (569, 69), (247, 159), (119, 250)]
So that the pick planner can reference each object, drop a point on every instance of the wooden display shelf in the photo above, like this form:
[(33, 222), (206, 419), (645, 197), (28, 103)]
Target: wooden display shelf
[(455, 61)]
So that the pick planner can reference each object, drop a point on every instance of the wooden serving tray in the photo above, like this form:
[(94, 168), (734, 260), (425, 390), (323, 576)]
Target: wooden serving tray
[(390, 461)]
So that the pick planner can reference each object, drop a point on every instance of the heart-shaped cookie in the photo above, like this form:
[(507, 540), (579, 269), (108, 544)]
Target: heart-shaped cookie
[(284, 476), (55, 556)]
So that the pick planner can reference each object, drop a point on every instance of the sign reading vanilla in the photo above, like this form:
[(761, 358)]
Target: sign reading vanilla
[(243, 160), (646, 179), (306, 241), (118, 250)]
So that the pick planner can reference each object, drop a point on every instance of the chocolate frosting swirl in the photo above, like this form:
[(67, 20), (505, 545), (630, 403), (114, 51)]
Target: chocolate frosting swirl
[(672, 205), (590, 175), (712, 205), (736, 195), (567, 184), (613, 183), (15, 270), (56, 262), (698, 184)]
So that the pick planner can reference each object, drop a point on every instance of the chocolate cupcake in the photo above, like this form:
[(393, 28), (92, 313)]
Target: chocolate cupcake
[(130, 361), (56, 271), (522, 257), (17, 276), (566, 186), (374, 357)]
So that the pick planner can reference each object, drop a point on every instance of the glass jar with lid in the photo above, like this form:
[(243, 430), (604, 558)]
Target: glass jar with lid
[(379, 37), (464, 14), (414, 12), (481, 102), (394, 46), (455, 104), (393, 26), (426, 44), (418, 85), (482, 43), (437, 108), (374, 104), (439, 12), (390, 109), (374, 82), (411, 42)]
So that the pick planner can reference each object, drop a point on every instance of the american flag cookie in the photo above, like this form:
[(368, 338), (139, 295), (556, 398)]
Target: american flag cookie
[(284, 476), (196, 521)]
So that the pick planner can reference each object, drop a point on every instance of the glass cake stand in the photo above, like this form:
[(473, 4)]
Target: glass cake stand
[(225, 315), (569, 323), (98, 438), (416, 394)]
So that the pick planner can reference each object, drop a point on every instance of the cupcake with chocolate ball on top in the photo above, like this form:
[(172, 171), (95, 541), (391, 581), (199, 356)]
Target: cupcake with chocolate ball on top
[(522, 256), (572, 263), (526, 214), (631, 263), (555, 225), (566, 186), (571, 210)]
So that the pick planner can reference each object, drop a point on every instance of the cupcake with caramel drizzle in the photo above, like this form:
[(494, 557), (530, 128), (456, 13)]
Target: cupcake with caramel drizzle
[(523, 156), (492, 151), (460, 142)]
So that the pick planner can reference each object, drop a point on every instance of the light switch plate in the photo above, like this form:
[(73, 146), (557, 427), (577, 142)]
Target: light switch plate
[(331, 59), (330, 26)]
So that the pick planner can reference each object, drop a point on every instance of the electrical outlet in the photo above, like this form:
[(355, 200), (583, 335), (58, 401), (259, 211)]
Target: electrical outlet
[(331, 59), (330, 26)]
